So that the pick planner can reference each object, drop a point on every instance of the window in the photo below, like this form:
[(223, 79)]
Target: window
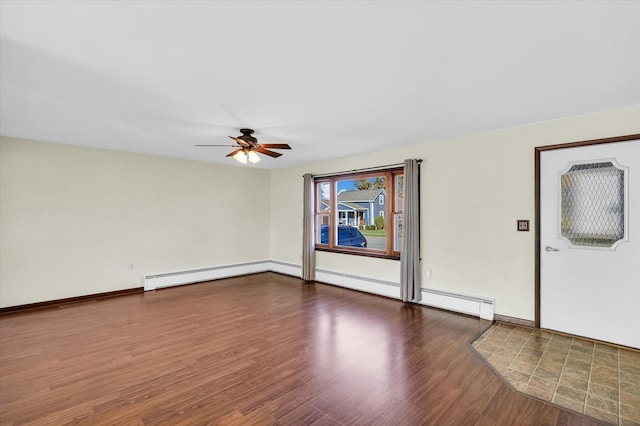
[(349, 220)]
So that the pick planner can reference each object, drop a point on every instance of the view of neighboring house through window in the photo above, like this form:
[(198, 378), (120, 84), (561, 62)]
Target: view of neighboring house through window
[(360, 213)]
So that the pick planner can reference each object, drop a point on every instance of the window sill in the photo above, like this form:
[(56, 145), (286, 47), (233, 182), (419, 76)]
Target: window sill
[(363, 253)]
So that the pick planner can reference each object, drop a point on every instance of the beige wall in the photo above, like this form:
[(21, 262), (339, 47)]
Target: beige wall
[(72, 219), (474, 188)]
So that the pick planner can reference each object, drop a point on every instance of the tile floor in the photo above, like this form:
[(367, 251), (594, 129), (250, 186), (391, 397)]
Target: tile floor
[(596, 379)]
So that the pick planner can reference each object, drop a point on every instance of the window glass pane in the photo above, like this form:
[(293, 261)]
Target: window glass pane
[(397, 226), (323, 195), (360, 202), (399, 193), (322, 228), (350, 236), (592, 212)]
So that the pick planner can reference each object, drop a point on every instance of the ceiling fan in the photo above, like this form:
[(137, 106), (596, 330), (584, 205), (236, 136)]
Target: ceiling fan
[(248, 148)]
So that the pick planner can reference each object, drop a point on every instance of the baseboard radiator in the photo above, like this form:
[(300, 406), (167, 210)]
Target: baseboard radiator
[(170, 279), (481, 307)]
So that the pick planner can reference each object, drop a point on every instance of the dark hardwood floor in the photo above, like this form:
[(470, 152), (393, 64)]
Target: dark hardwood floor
[(262, 349)]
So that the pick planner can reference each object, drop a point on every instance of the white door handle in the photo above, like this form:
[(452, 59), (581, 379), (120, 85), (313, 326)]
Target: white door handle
[(549, 248)]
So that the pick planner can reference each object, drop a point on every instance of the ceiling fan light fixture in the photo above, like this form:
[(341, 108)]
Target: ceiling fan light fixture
[(253, 157), (247, 148), (240, 157)]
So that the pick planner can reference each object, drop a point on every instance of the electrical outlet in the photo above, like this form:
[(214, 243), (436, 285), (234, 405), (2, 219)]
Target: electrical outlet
[(429, 273), (130, 266)]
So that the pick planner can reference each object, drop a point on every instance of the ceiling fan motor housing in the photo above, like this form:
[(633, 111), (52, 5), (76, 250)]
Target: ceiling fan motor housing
[(246, 136)]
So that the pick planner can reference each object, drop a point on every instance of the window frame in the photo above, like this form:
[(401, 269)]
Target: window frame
[(390, 212)]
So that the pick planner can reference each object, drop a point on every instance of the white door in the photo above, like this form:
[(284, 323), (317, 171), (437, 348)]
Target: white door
[(590, 241)]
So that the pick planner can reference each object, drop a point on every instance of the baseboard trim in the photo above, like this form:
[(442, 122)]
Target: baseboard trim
[(58, 303), (515, 321)]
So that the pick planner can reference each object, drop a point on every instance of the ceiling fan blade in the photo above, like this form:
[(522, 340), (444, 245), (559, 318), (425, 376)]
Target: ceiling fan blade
[(233, 153), (275, 145), (269, 153), (233, 146), (240, 141)]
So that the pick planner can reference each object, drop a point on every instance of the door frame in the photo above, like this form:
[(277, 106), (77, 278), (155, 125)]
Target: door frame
[(538, 151)]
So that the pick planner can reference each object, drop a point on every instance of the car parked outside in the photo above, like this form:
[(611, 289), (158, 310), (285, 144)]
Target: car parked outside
[(348, 236)]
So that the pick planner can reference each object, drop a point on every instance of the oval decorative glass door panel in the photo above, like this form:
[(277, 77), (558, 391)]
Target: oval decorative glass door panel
[(592, 200)]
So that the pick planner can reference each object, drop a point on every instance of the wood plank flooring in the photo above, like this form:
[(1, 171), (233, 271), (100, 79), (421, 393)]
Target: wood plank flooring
[(257, 350)]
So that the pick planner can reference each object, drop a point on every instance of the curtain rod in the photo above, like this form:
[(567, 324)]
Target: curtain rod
[(366, 169)]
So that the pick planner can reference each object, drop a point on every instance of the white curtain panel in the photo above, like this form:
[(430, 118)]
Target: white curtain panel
[(410, 283), (308, 243)]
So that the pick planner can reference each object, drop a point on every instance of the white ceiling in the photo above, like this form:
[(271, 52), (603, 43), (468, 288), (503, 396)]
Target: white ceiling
[(329, 78)]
